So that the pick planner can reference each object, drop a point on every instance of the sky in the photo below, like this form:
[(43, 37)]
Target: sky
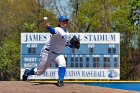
[(62, 6)]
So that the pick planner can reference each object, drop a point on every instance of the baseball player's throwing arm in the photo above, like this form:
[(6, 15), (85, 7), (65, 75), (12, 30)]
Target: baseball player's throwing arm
[(48, 26)]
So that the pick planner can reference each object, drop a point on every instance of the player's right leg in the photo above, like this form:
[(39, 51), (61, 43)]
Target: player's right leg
[(40, 70), (41, 67), (27, 72)]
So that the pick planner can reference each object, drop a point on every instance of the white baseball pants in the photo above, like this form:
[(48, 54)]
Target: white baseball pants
[(46, 58)]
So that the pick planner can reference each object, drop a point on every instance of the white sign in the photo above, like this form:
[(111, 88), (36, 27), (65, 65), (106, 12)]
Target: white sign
[(101, 38), (80, 74), (35, 37)]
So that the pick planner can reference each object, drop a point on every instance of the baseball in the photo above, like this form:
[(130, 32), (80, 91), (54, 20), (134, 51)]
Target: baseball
[(45, 18)]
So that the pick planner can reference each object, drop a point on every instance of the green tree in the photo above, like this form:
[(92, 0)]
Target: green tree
[(93, 16), (18, 16), (108, 16), (135, 21), (29, 15), (4, 15), (10, 58)]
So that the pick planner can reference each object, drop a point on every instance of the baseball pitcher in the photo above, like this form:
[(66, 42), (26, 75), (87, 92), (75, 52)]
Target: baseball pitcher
[(52, 51)]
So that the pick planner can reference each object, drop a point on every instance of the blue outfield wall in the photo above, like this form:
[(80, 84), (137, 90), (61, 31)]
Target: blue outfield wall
[(123, 86), (84, 52)]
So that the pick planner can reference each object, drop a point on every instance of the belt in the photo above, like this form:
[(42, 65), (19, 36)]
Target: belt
[(52, 51)]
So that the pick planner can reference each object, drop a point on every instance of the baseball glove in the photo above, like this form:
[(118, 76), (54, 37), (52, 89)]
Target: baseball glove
[(75, 42)]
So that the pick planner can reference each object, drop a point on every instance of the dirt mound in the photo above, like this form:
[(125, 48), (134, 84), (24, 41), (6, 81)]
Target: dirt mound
[(28, 87)]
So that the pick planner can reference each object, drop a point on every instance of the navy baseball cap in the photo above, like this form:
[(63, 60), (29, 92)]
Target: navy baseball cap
[(63, 18)]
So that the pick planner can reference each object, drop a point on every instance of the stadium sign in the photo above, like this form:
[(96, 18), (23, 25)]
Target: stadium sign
[(97, 58)]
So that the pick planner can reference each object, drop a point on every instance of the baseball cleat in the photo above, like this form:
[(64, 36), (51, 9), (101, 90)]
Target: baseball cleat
[(60, 83), (25, 76)]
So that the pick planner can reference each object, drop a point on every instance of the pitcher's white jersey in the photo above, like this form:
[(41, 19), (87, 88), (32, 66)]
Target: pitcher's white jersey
[(58, 40)]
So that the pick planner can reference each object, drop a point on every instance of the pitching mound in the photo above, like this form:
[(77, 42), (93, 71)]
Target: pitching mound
[(28, 87)]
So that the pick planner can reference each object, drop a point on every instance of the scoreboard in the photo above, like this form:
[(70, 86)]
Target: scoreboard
[(97, 58)]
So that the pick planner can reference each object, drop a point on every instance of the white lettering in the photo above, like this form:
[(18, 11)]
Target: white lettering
[(30, 65), (31, 45), (30, 59)]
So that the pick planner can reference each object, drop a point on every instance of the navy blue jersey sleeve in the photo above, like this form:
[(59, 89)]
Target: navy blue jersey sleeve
[(51, 30)]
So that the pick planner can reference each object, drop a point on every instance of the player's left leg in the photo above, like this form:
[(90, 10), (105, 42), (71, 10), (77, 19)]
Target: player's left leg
[(61, 70)]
